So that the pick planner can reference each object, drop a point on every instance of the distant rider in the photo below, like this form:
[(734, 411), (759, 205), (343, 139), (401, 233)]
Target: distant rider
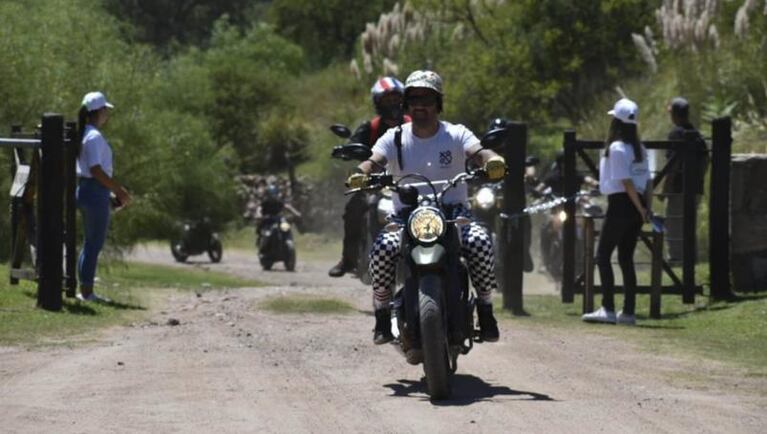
[(387, 99), (437, 150), (271, 208)]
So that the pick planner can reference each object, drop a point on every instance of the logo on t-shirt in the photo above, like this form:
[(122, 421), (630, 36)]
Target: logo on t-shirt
[(445, 158), (638, 169)]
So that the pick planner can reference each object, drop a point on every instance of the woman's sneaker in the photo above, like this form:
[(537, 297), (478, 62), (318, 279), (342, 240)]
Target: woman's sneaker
[(626, 319), (600, 315)]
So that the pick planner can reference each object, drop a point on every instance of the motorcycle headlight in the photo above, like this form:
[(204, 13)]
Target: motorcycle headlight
[(187, 227), (562, 216), (426, 225), (485, 198), (284, 226)]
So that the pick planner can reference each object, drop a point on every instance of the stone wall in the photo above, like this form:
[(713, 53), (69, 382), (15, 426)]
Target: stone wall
[(748, 214)]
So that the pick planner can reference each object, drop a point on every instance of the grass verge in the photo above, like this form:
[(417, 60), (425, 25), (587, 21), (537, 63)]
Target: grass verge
[(733, 332), (132, 287), (306, 304)]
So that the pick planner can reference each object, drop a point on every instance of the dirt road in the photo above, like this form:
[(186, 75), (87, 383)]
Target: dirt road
[(233, 367)]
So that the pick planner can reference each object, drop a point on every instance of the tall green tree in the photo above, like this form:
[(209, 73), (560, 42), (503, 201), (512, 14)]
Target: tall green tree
[(326, 29)]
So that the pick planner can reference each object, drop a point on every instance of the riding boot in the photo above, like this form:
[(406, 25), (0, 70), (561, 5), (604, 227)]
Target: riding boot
[(382, 332), (488, 326), (342, 267)]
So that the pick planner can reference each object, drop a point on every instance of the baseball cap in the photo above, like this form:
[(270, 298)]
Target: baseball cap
[(428, 79), (625, 110), (95, 100)]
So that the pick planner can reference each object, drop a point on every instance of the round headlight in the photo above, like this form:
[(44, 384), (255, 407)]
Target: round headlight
[(426, 225), (485, 197), (284, 226), (562, 216)]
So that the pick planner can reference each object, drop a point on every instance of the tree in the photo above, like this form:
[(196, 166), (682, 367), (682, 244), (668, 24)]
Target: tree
[(326, 29)]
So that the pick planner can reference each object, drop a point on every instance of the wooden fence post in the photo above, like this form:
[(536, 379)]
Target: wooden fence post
[(568, 239), (719, 209), (70, 220), (588, 264), (49, 213), (690, 191), (513, 229)]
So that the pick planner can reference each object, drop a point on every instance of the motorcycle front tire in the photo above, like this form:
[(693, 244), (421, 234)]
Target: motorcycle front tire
[(436, 365), (177, 252), (290, 259), (215, 251)]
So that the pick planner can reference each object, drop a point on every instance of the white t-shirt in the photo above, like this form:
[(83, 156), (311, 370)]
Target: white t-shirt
[(95, 151), (439, 157), (620, 165)]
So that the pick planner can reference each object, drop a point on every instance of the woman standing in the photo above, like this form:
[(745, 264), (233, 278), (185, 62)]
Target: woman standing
[(94, 169), (625, 180)]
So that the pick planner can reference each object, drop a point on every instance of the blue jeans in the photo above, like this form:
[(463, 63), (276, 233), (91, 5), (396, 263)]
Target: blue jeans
[(93, 201)]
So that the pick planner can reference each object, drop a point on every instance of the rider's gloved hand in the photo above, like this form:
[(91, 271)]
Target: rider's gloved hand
[(495, 168), (357, 180)]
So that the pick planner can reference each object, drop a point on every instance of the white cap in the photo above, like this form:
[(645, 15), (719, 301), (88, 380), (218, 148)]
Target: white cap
[(428, 79), (95, 100), (626, 111)]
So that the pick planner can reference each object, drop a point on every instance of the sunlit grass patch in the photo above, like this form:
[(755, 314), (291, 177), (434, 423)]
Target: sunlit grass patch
[(733, 332), (306, 304)]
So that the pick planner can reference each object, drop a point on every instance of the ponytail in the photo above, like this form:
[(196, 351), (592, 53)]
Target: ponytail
[(626, 133), (82, 120)]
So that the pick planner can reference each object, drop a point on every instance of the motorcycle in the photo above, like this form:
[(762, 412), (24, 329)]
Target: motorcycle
[(197, 238), (433, 312), (275, 243), (378, 204), (487, 206), (551, 231)]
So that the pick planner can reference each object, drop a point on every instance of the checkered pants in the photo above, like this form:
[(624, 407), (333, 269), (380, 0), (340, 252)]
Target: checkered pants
[(476, 248)]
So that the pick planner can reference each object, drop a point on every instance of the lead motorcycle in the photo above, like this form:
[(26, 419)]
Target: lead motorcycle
[(379, 204), (433, 312)]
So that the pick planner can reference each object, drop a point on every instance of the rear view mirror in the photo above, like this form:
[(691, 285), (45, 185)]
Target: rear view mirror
[(341, 131), (494, 139), (531, 160), (352, 151)]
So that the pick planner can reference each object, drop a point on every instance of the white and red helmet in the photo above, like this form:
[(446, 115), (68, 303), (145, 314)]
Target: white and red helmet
[(385, 85)]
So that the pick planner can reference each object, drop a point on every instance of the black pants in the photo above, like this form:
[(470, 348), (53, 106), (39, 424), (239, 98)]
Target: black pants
[(621, 229), (354, 212)]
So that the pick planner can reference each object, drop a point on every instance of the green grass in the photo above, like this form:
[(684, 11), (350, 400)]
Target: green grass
[(732, 332), (132, 287), (306, 304)]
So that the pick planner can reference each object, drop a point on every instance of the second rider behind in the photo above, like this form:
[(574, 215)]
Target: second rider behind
[(387, 95), (437, 150)]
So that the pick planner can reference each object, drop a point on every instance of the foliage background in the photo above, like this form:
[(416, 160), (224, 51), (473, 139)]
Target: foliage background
[(207, 90)]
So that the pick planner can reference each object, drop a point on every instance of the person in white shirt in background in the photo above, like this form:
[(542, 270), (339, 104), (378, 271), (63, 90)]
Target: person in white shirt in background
[(94, 170), (625, 180)]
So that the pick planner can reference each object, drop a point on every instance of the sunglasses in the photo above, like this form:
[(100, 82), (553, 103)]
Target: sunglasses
[(422, 100)]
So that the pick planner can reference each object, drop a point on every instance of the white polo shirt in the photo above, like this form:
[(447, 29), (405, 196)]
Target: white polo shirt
[(95, 151), (620, 165), (439, 157)]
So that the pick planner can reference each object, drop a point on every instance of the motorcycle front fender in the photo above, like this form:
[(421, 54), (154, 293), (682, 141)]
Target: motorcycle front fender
[(430, 255)]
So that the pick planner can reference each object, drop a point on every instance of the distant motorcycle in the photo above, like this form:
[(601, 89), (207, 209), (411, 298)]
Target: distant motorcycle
[(275, 243), (379, 202), (197, 238), (552, 234)]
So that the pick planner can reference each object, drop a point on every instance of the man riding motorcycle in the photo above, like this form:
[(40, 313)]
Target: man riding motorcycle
[(555, 180), (386, 94), (271, 208), (437, 150)]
